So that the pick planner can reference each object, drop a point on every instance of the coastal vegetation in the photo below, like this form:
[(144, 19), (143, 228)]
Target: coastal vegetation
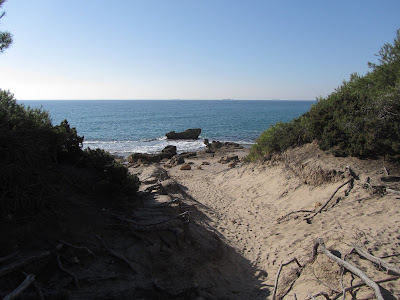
[(39, 161), (5, 36), (360, 118), (42, 164)]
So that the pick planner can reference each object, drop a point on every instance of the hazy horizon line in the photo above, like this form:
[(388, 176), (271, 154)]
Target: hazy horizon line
[(172, 99)]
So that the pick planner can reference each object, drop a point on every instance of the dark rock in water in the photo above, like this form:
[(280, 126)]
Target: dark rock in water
[(168, 152), (218, 146), (189, 134)]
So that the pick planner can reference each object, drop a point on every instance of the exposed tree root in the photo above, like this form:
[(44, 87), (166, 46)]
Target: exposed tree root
[(319, 243), (364, 284), (16, 265), (7, 257), (317, 295), (30, 279), (67, 271), (293, 212), (279, 272), (350, 181), (376, 260), (116, 254), (392, 191), (78, 247)]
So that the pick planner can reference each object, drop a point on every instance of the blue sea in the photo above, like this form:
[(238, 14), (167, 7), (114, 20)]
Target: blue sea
[(123, 127)]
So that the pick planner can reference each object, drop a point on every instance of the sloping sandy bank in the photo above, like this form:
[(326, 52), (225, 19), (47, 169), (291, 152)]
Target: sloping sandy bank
[(244, 205)]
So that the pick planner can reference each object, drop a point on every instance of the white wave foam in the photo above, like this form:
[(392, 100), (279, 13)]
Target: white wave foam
[(153, 146)]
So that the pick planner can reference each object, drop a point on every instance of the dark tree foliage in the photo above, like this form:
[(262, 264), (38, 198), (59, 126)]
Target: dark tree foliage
[(5, 37), (32, 153), (360, 118)]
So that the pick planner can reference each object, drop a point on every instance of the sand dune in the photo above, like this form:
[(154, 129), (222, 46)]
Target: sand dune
[(245, 205)]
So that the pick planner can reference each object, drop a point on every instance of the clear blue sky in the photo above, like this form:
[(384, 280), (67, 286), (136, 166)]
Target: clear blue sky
[(190, 49)]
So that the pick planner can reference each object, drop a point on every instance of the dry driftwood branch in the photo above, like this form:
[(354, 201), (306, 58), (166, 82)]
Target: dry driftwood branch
[(39, 294), (341, 282), (279, 272), (184, 214), (16, 265), (319, 243), (317, 295), (77, 247), (7, 257), (391, 255), (116, 254), (22, 287), (169, 202), (67, 271), (392, 191), (377, 260), (308, 219), (386, 171), (293, 212), (364, 284)]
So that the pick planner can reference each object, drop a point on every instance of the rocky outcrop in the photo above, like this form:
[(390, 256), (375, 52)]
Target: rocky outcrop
[(217, 145), (168, 152), (176, 160), (229, 159), (189, 134)]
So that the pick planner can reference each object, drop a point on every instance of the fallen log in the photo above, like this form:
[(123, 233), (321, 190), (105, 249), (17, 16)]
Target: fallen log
[(319, 243)]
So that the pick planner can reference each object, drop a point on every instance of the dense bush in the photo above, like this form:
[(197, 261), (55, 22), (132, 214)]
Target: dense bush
[(108, 169), (31, 149), (360, 118)]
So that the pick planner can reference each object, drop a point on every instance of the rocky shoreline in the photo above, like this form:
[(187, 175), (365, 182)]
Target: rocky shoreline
[(170, 158)]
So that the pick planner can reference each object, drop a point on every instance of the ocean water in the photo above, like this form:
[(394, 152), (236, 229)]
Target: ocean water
[(126, 126)]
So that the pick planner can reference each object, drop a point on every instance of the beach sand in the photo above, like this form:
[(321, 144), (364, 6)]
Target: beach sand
[(247, 206)]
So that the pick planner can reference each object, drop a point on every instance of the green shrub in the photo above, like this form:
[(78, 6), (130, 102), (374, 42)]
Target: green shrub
[(31, 149), (360, 118), (109, 171)]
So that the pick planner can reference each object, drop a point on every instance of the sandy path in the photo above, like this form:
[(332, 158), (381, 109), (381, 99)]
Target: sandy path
[(244, 204), (237, 212)]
